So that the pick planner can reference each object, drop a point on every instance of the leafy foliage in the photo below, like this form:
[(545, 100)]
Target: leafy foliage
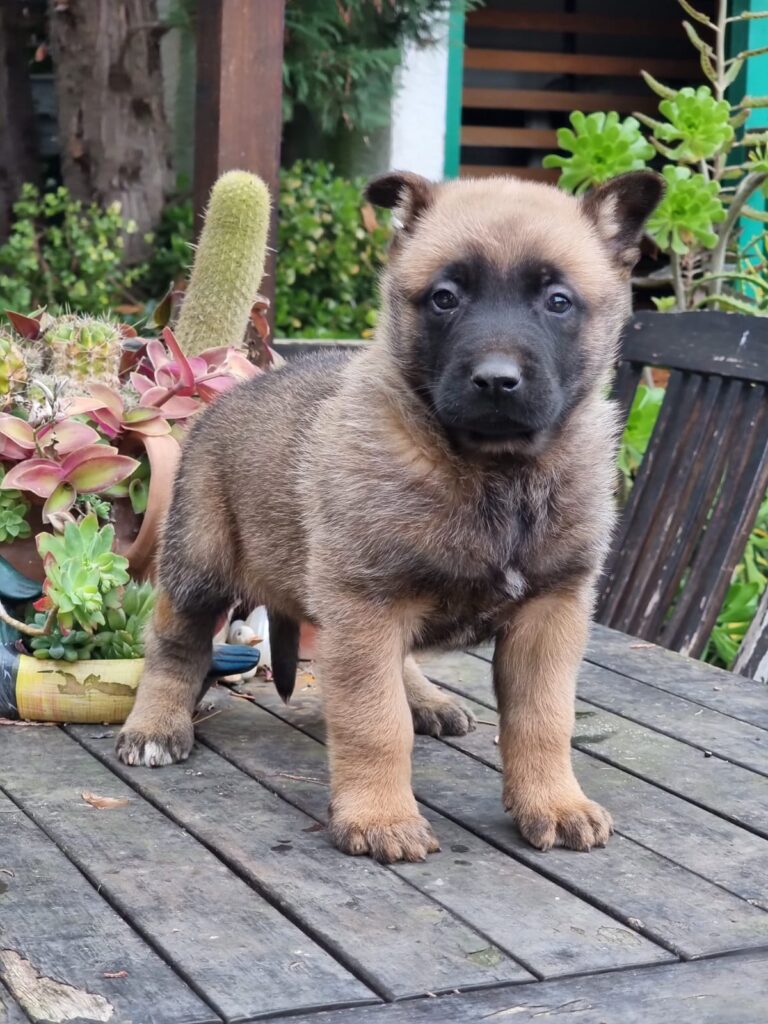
[(703, 137), (341, 55), (601, 146), (330, 248), (62, 253)]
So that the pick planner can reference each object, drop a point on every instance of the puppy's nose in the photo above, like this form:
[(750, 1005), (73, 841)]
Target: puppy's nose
[(497, 375)]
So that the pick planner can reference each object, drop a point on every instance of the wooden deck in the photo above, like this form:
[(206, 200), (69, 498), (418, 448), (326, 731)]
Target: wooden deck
[(211, 894)]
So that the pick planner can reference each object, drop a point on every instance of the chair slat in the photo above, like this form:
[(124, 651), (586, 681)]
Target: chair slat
[(673, 512), (643, 502), (743, 488)]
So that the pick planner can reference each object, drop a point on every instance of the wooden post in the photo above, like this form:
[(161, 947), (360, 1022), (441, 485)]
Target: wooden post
[(238, 117)]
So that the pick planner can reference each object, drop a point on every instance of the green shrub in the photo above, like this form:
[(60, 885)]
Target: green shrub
[(172, 252), (330, 248), (63, 254)]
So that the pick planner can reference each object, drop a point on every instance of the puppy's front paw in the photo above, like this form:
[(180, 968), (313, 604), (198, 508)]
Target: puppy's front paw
[(408, 839), (155, 743), (443, 718), (576, 823)]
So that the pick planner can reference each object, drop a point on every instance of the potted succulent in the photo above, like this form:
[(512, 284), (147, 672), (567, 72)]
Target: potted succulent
[(91, 422)]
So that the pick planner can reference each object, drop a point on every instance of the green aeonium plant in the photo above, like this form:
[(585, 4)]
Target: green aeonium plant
[(715, 165), (82, 574), (13, 515)]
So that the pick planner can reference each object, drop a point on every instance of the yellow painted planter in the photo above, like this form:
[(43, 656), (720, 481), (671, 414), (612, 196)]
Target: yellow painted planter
[(63, 691)]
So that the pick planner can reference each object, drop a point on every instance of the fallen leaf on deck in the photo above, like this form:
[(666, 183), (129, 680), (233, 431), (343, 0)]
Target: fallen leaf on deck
[(115, 974), (103, 803)]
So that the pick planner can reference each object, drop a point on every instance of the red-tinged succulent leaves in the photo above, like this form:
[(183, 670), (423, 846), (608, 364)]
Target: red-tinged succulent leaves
[(67, 436), (38, 476), (58, 504), (28, 327), (17, 438), (97, 467)]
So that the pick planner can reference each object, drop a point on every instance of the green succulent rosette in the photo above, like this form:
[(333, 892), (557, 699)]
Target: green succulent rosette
[(697, 126), (688, 212), (600, 146)]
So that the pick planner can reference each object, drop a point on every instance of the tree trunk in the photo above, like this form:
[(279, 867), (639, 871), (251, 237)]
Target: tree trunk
[(18, 137), (113, 134)]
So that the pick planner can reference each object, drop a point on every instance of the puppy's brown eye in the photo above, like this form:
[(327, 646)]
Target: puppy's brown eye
[(444, 300), (558, 303)]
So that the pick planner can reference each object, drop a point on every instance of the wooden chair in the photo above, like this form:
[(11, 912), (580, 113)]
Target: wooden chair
[(702, 479)]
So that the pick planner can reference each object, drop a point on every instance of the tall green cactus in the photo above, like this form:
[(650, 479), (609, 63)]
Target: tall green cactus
[(228, 265)]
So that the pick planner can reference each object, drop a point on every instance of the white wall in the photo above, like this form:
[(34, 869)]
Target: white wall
[(419, 108)]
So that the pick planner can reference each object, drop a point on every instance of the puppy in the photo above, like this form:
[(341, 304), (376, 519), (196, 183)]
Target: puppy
[(451, 483)]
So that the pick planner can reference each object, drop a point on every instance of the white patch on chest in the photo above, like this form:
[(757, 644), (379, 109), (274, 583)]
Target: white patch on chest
[(515, 584)]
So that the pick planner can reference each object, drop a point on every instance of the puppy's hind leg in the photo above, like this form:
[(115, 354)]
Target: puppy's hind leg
[(435, 713)]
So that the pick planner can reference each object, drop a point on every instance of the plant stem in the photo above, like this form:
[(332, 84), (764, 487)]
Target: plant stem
[(750, 184), (677, 281), (22, 627)]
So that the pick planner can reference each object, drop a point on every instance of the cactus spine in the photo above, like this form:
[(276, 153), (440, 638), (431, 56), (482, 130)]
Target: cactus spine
[(228, 265)]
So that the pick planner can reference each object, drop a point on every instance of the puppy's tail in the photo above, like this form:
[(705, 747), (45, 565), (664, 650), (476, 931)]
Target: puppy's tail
[(284, 647)]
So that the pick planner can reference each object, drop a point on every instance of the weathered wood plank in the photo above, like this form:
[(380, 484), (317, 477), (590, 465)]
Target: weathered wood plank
[(244, 956), (666, 902), (677, 717), (398, 940), (712, 687), (60, 942), (726, 789), (726, 344), (723, 991), (692, 837), (10, 1012), (547, 928)]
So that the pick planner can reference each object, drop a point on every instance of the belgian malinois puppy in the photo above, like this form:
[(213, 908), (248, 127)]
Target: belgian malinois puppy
[(450, 484)]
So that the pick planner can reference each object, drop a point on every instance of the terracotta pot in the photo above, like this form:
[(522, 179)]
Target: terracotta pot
[(22, 554), (307, 641), (137, 538)]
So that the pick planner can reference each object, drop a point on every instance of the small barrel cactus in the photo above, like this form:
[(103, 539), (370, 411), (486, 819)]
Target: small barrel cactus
[(84, 349), (228, 266), (13, 370)]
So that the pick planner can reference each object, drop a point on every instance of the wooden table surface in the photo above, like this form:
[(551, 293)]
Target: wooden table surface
[(211, 893)]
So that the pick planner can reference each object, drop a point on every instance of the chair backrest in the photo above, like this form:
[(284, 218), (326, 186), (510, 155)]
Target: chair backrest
[(704, 474)]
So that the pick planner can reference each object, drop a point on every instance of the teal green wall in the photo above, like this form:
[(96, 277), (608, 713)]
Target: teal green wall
[(753, 81), (453, 102)]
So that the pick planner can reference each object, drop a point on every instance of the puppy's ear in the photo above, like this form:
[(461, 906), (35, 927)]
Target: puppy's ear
[(620, 208), (406, 193)]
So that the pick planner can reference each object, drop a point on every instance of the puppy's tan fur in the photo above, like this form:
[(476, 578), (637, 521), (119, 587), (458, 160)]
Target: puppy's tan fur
[(329, 492)]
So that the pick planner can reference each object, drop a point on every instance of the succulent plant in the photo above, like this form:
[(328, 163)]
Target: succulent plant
[(121, 637), (696, 121), (13, 369), (228, 265), (688, 212), (85, 349), (83, 575), (13, 515), (601, 146)]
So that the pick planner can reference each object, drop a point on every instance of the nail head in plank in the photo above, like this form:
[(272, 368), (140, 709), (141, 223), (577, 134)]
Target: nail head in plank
[(244, 957), (60, 940), (400, 941)]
